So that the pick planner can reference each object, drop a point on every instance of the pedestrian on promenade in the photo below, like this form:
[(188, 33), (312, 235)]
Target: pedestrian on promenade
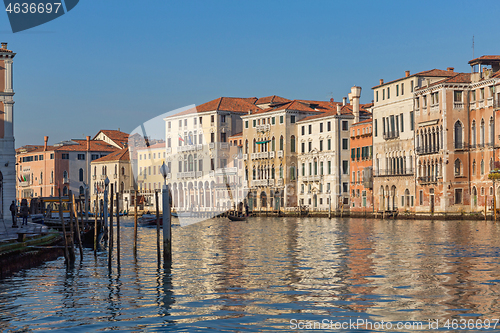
[(246, 209), (13, 211), (24, 212)]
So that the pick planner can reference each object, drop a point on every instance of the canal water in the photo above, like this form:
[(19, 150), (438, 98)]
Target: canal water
[(267, 275)]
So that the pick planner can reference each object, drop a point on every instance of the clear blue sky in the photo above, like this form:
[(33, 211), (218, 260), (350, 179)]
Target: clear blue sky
[(113, 64)]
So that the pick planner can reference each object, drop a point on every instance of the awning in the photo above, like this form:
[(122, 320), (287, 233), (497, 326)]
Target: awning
[(261, 142)]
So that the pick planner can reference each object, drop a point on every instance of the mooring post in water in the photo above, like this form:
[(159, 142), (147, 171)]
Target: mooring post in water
[(118, 227), (105, 206), (96, 209), (66, 252), (485, 206), (167, 234), (157, 228), (111, 213), (74, 210), (135, 223), (71, 230)]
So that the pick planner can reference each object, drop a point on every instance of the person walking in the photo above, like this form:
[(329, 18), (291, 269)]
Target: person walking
[(13, 211), (24, 212)]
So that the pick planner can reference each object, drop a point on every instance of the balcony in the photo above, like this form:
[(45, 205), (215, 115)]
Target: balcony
[(391, 135), (392, 172), (260, 182), (94, 177), (169, 176), (263, 128), (435, 108), (199, 174), (103, 177), (24, 184), (312, 178), (245, 157), (169, 150), (489, 101), (65, 180), (264, 155), (222, 171), (460, 105), (423, 150), (461, 146), (280, 153), (481, 103), (115, 176), (189, 174), (224, 145), (280, 182), (211, 145), (271, 154), (427, 179)]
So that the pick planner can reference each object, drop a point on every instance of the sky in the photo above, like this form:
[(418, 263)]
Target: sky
[(113, 64)]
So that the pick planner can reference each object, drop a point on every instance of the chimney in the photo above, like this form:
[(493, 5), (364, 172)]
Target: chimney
[(88, 143), (381, 82), (45, 140), (4, 46), (344, 101), (355, 95), (407, 73), (249, 111), (338, 109), (450, 69)]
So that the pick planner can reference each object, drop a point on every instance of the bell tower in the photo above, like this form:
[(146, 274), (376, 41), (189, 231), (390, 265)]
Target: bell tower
[(7, 149)]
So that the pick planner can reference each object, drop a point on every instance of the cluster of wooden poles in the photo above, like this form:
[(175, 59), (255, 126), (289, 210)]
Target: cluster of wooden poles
[(69, 242)]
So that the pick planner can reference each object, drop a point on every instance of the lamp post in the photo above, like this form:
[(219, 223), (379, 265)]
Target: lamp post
[(167, 234)]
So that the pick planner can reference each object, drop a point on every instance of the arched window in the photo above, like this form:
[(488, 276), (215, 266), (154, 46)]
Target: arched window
[(458, 135), (273, 144), (292, 173), (116, 169), (474, 167), (272, 172), (482, 167), (65, 191), (41, 177), (246, 146), (482, 132), (65, 176), (492, 131), (123, 171), (254, 146), (292, 144), (80, 175), (458, 167), (281, 142), (473, 133), (95, 171), (190, 163), (82, 191)]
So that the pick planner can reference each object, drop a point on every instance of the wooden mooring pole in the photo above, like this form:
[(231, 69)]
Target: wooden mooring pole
[(135, 223), (167, 232), (158, 250), (96, 209), (66, 251), (74, 211), (118, 227), (110, 239)]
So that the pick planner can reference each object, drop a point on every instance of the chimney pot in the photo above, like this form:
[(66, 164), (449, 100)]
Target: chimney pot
[(407, 73), (88, 143), (381, 81), (338, 108), (450, 69), (45, 140), (4, 46), (344, 101)]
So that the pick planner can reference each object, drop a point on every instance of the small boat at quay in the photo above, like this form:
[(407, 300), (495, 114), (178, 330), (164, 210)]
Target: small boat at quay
[(236, 218), (148, 220)]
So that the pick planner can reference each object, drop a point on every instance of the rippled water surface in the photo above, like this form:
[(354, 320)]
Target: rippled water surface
[(264, 274)]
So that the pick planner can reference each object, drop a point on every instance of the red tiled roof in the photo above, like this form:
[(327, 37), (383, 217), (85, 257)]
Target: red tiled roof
[(495, 58), (156, 145), (431, 73), (344, 110), (271, 99), (237, 135), (301, 105), (458, 78), (231, 104), (5, 50), (362, 122), (95, 146), (118, 137), (119, 155)]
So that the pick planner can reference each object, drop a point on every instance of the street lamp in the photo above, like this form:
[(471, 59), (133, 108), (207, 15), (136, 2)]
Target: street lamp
[(164, 172)]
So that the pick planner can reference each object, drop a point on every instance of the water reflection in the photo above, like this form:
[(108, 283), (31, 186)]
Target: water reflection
[(260, 274)]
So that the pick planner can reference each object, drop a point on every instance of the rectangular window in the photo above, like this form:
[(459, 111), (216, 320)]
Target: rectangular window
[(481, 95), (201, 120), (421, 197), (200, 165), (281, 119), (353, 154), (310, 146), (310, 129), (402, 88), (180, 123), (397, 90), (383, 94), (345, 125), (345, 144), (376, 96), (320, 145), (212, 164), (457, 95), (411, 120), (329, 171), (411, 84), (81, 157), (222, 118), (169, 125), (458, 196), (180, 166), (223, 137), (292, 119), (303, 169), (246, 123), (329, 126), (321, 168), (345, 167), (303, 147), (388, 93), (303, 130), (321, 127), (329, 144), (357, 153), (254, 123), (473, 96), (345, 189), (65, 156), (402, 123), (212, 137), (94, 156), (40, 157), (376, 127), (273, 120), (169, 142)]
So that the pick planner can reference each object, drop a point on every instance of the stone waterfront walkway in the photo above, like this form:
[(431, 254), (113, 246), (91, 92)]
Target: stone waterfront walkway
[(8, 233)]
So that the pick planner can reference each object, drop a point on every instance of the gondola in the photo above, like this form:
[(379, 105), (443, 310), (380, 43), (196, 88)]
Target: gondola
[(236, 218)]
